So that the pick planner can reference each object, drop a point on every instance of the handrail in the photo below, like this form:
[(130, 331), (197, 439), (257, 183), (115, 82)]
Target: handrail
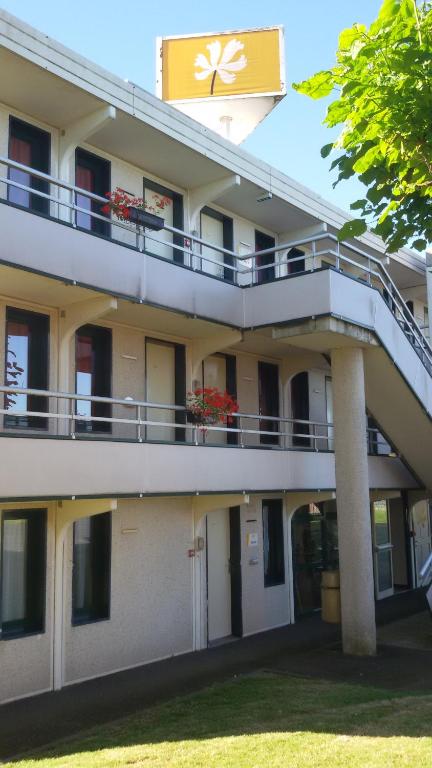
[(288, 426), (373, 268)]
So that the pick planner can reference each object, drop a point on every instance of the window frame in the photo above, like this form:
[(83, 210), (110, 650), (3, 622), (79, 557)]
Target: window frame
[(37, 204), (268, 273), (278, 578), (97, 226), (98, 614), (32, 624), (101, 409), (35, 422)]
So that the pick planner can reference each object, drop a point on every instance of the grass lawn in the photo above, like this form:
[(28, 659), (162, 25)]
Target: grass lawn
[(260, 721)]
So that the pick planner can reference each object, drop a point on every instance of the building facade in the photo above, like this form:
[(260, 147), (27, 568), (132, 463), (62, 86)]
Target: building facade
[(128, 534)]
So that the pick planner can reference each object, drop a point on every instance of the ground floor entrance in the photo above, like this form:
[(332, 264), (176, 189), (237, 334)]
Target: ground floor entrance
[(315, 550), (224, 592)]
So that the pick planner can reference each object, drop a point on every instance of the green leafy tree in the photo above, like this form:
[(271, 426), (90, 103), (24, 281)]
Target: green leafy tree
[(383, 80)]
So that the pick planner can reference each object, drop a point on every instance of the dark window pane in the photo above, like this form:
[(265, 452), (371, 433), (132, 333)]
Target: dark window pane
[(268, 395), (21, 152), (30, 146), (84, 180), (23, 566), (93, 352), (299, 264), (300, 409), (315, 549), (26, 367), (262, 243), (93, 174), (273, 543), (91, 569)]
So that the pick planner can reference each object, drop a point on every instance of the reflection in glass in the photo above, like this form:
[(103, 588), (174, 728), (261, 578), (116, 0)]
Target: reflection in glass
[(83, 585), (385, 575), (20, 151), (315, 549), (14, 571), (84, 366)]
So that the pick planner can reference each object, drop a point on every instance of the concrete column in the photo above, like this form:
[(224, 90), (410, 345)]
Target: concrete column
[(352, 499)]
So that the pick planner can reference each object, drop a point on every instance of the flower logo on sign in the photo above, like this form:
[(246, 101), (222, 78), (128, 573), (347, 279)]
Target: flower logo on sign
[(220, 62)]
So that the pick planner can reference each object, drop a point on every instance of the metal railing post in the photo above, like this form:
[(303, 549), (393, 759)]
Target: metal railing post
[(72, 419), (139, 437), (338, 255), (240, 426), (73, 212)]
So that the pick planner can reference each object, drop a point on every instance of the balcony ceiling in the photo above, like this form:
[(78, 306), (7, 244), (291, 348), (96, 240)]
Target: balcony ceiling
[(49, 99), (55, 86)]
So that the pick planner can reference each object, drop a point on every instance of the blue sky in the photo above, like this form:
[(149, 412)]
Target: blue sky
[(121, 37)]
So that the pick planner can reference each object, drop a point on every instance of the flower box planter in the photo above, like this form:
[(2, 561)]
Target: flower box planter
[(201, 421), (144, 218)]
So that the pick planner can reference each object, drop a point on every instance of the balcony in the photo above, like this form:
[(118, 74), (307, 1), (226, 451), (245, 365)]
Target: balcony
[(314, 293), (152, 449), (207, 278)]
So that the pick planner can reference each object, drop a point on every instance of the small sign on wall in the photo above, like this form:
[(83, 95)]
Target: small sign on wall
[(252, 539)]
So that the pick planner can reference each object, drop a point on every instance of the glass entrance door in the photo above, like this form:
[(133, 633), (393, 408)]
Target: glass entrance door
[(315, 549), (383, 556)]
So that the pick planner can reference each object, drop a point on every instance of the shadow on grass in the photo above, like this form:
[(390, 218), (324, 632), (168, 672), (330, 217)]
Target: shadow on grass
[(259, 704)]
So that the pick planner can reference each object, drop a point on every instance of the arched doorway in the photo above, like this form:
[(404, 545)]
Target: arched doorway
[(315, 549)]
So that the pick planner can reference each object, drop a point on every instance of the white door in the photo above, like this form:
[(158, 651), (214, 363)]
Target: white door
[(329, 411), (214, 375), (159, 242), (422, 528), (218, 574), (383, 549), (160, 388), (212, 232)]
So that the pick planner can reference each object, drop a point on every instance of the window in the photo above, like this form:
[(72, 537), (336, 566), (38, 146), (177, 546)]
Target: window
[(161, 243), (91, 569), (29, 146), (27, 335), (300, 409), (23, 570), (217, 229), (262, 243), (93, 351), (268, 399), (273, 542), (295, 266), (93, 174)]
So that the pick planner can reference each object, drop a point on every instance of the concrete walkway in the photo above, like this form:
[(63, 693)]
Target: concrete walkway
[(309, 648)]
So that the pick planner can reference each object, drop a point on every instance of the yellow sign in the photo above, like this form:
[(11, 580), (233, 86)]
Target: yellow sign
[(223, 65)]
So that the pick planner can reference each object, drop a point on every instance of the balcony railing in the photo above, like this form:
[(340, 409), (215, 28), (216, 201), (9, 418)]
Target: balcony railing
[(318, 251), (143, 421)]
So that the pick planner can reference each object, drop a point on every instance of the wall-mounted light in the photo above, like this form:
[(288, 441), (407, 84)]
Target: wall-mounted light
[(264, 196)]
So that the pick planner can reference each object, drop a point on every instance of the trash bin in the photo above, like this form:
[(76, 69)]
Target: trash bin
[(330, 597)]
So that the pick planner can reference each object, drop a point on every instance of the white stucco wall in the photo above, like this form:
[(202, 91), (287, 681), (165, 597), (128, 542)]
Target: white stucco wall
[(25, 662), (151, 592)]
